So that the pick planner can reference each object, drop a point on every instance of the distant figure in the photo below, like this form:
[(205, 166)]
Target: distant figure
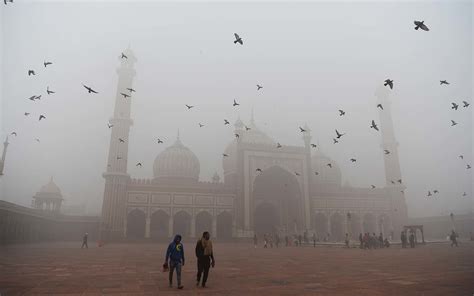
[(255, 241), (403, 238), (381, 240), (361, 241), (270, 239), (84, 241), (299, 239), (453, 238), (305, 236), (265, 241), (346, 240), (374, 241), (412, 240), (314, 240), (175, 255), (205, 258), (386, 243), (277, 240), (287, 241)]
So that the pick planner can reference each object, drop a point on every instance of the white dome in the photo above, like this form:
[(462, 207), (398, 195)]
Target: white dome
[(51, 187), (326, 174), (177, 161)]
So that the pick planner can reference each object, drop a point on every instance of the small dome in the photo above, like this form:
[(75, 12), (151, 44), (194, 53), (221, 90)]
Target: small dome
[(51, 187), (176, 161), (327, 175)]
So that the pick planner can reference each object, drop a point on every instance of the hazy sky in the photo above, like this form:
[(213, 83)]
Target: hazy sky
[(311, 58)]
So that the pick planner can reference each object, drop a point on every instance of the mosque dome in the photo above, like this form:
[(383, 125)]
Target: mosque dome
[(176, 161), (50, 188), (327, 175)]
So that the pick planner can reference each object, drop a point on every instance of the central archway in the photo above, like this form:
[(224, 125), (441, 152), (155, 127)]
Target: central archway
[(277, 202), (136, 224)]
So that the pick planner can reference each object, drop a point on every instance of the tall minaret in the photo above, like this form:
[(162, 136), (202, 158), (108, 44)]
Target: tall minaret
[(399, 213), (4, 154), (116, 177)]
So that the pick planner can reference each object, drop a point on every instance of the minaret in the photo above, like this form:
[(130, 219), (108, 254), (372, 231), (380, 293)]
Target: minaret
[(4, 154), (116, 177), (308, 176), (399, 213)]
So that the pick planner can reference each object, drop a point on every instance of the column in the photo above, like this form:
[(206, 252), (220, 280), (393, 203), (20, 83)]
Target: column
[(170, 227), (214, 227), (329, 226), (147, 227), (193, 226), (362, 230), (125, 227)]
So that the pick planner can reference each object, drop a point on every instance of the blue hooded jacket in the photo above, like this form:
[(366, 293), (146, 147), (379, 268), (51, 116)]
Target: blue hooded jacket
[(175, 250)]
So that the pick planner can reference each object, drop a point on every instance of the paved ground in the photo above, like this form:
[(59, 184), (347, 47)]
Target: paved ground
[(134, 269)]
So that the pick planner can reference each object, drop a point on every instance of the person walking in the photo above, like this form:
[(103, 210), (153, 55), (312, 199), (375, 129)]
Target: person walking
[(84, 241), (412, 240), (453, 238), (175, 256), (403, 238), (205, 258), (361, 241)]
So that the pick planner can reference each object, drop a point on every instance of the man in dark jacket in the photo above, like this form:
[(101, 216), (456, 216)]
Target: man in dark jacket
[(84, 241), (175, 255), (205, 258)]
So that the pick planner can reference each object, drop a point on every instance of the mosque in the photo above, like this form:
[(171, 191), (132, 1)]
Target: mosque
[(265, 188)]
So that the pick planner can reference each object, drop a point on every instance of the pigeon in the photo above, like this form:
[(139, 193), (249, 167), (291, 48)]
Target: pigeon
[(441, 82), (31, 72), (226, 122), (314, 145), (466, 104), (461, 156), (335, 140), (125, 95), (37, 140), (453, 123), (421, 25), (189, 106), (139, 164), (435, 191), (27, 113), (373, 186), (200, 124), (237, 136), (13, 134), (259, 87), (329, 165), (32, 98), (124, 56), (258, 170), (339, 135), (238, 39), (121, 140), (455, 106), (389, 83), (468, 167), (429, 193), (316, 173), (131, 90), (247, 128), (225, 155), (464, 194), (160, 141), (296, 173), (399, 181), (374, 126), (402, 191), (386, 151), (279, 145), (391, 181), (235, 103), (90, 90), (38, 97), (5, 1), (110, 125), (353, 160), (302, 129), (42, 117), (49, 91), (47, 63), (380, 106), (342, 113)]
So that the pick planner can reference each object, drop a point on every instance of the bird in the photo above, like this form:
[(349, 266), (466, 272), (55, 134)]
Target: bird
[(124, 56), (90, 90), (131, 89), (37, 140), (429, 193), (435, 191), (402, 191), (258, 170), (238, 39), (225, 155), (27, 113), (110, 125), (47, 63), (316, 173), (247, 128), (118, 157), (259, 87), (139, 164), (461, 156), (386, 151), (189, 106), (42, 117), (421, 25), (389, 83), (226, 122), (353, 159), (339, 135), (373, 186), (441, 82), (341, 112), (335, 140), (200, 124), (31, 72), (160, 141), (399, 181), (453, 123), (32, 98), (125, 95), (121, 140), (391, 181), (374, 126), (5, 1), (237, 136), (455, 106), (296, 173), (468, 167), (302, 129), (466, 104), (329, 165), (13, 134), (464, 194), (235, 103), (380, 106), (49, 91), (314, 145), (279, 145), (38, 97)]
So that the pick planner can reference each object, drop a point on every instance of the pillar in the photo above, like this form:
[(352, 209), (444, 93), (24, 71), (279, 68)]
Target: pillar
[(125, 227), (170, 227), (329, 226), (214, 227), (147, 227), (193, 226)]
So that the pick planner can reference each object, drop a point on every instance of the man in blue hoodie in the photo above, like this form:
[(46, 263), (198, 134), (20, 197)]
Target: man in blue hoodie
[(175, 255)]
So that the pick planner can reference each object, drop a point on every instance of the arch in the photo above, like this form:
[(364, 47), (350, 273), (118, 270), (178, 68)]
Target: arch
[(355, 227), (182, 224), (337, 227), (266, 219), (280, 188), (136, 224), (203, 223), (224, 225), (159, 223), (369, 223), (384, 225), (321, 225)]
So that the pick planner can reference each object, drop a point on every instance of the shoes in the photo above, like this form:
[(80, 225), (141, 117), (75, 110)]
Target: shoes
[(180, 287)]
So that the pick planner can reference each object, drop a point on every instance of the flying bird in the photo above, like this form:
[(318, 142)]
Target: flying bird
[(259, 87), (42, 117), (391, 181), (47, 63), (455, 106), (160, 141), (235, 103), (247, 128), (124, 56), (27, 113), (31, 72), (37, 140), (335, 140), (225, 155), (329, 165), (373, 186), (32, 98), (200, 124), (441, 82), (389, 83), (139, 164), (464, 194), (125, 95), (461, 156), (453, 123), (342, 113), (316, 173), (5, 1), (237, 136), (238, 39), (466, 104), (38, 97), (279, 145), (421, 25), (189, 106), (314, 145), (374, 126), (121, 140), (435, 191), (386, 151), (353, 159), (339, 135), (13, 134), (399, 181), (131, 89), (468, 166), (49, 91), (90, 90), (258, 170), (226, 122), (302, 129), (380, 106), (429, 193), (296, 173), (110, 125)]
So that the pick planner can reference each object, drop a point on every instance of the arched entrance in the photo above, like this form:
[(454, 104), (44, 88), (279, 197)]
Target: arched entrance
[(159, 225), (203, 223), (224, 225), (182, 224), (337, 227), (355, 226), (321, 225), (277, 202), (369, 223), (136, 224)]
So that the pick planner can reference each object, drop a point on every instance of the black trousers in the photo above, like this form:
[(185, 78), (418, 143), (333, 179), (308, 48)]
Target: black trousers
[(204, 263), (84, 243)]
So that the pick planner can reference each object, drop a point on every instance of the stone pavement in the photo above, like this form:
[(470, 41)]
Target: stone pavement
[(134, 269)]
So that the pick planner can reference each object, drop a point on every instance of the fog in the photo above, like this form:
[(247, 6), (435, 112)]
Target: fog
[(311, 58)]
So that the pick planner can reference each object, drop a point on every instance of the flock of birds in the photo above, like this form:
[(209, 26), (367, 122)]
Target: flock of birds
[(238, 40)]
